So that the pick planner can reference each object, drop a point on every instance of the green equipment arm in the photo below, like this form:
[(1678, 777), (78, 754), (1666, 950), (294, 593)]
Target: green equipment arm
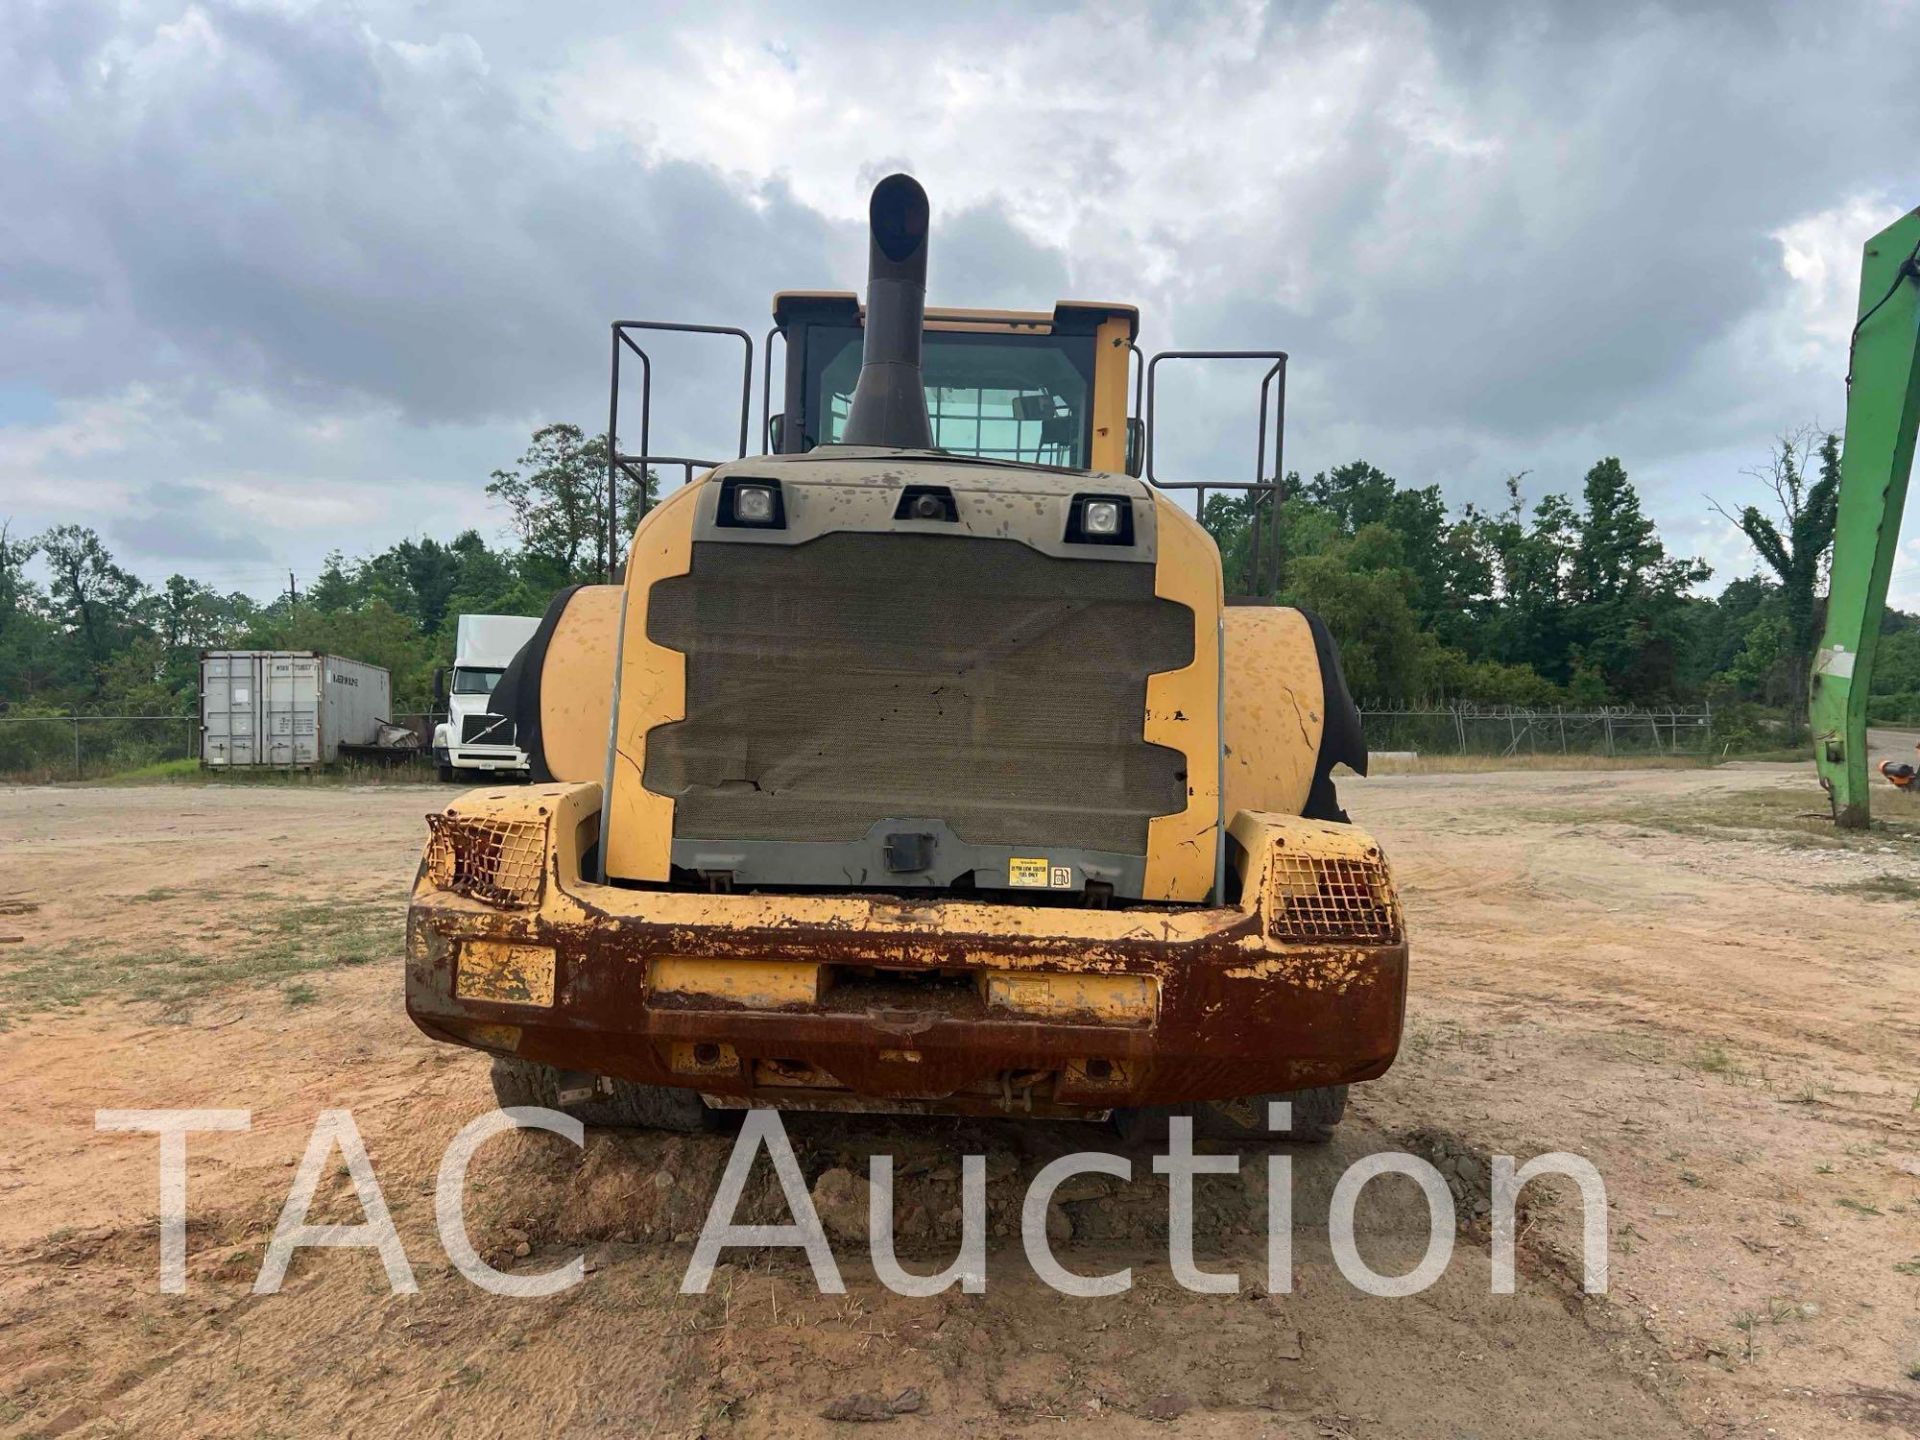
[(1883, 404)]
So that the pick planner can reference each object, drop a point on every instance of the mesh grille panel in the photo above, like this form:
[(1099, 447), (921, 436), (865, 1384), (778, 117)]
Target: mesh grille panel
[(502, 862), (863, 677), (1333, 898)]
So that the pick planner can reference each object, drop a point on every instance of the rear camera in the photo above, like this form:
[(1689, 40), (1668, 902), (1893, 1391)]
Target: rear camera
[(929, 507), (1101, 518)]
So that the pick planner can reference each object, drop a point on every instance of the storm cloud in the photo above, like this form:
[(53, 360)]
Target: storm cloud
[(281, 278)]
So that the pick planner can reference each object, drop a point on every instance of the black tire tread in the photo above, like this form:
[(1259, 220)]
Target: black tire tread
[(1316, 1114), (629, 1107)]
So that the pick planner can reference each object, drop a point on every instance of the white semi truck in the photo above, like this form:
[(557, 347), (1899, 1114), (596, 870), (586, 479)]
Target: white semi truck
[(473, 738)]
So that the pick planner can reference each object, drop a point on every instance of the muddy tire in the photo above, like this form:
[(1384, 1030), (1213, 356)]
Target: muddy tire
[(629, 1107), (1316, 1114)]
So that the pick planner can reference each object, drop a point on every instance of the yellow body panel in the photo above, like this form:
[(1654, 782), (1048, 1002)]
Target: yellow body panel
[(1116, 999), (758, 983), (1110, 357), (1275, 707), (576, 684), (1183, 711), (653, 691)]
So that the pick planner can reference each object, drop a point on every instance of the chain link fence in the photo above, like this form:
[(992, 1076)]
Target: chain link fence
[(86, 747), (1503, 730), (82, 747), (43, 748)]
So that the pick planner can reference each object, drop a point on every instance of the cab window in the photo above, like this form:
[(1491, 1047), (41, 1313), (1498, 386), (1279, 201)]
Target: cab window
[(472, 680), (1001, 397)]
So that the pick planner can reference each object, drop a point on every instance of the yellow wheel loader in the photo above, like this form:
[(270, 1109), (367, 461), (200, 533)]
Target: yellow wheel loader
[(922, 764)]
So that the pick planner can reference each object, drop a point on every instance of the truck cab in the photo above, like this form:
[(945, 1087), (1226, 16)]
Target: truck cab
[(475, 740)]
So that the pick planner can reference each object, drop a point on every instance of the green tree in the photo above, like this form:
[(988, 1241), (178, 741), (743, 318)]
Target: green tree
[(338, 586), (1531, 557), (556, 499), (377, 634), (27, 637), (1629, 595), (1364, 595), (93, 598), (1796, 548), (16, 591)]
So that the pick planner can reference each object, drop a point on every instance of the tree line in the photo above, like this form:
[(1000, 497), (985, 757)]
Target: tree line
[(97, 639), (1563, 600), (1567, 600)]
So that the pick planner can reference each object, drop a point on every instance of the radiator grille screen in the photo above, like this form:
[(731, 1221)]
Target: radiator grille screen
[(859, 677)]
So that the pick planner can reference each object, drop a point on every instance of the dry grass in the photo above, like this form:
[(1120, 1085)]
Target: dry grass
[(1484, 764), (1794, 818), (262, 941), (1882, 887)]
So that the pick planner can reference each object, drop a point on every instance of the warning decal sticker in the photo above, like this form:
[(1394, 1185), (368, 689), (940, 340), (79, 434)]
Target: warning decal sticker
[(1037, 874)]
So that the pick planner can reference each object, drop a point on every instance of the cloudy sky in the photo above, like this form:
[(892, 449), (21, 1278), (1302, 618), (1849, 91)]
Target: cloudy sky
[(281, 278)]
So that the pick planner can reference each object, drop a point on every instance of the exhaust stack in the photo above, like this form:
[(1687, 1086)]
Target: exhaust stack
[(889, 406)]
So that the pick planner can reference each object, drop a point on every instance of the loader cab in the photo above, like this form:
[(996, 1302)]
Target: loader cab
[(1025, 386), (1069, 389)]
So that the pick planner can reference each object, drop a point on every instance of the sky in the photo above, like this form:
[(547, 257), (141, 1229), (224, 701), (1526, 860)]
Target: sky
[(279, 279)]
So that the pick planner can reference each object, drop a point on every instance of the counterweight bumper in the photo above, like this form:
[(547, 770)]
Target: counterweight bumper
[(879, 1001)]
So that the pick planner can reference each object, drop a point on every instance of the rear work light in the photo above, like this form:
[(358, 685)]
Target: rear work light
[(1100, 520), (752, 504)]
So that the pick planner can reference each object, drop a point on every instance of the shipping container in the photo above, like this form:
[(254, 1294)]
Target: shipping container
[(287, 708)]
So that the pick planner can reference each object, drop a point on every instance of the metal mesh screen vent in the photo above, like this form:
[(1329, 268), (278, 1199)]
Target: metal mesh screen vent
[(862, 677), (1333, 898), (499, 861)]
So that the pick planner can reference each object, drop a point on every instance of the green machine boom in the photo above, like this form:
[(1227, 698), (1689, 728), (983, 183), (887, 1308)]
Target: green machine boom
[(1883, 404)]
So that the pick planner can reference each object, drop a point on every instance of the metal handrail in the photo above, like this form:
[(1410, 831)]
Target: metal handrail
[(617, 462), (1273, 382), (766, 393)]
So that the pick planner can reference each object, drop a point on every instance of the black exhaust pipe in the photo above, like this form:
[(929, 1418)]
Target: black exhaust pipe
[(889, 406)]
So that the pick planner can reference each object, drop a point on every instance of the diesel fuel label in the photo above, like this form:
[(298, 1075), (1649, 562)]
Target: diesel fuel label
[(1038, 874)]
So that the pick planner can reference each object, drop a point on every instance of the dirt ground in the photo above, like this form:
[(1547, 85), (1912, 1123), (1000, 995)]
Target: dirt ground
[(1673, 973)]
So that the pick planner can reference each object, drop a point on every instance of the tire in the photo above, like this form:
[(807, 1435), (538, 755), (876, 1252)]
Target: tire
[(1316, 1114), (447, 776), (629, 1107)]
